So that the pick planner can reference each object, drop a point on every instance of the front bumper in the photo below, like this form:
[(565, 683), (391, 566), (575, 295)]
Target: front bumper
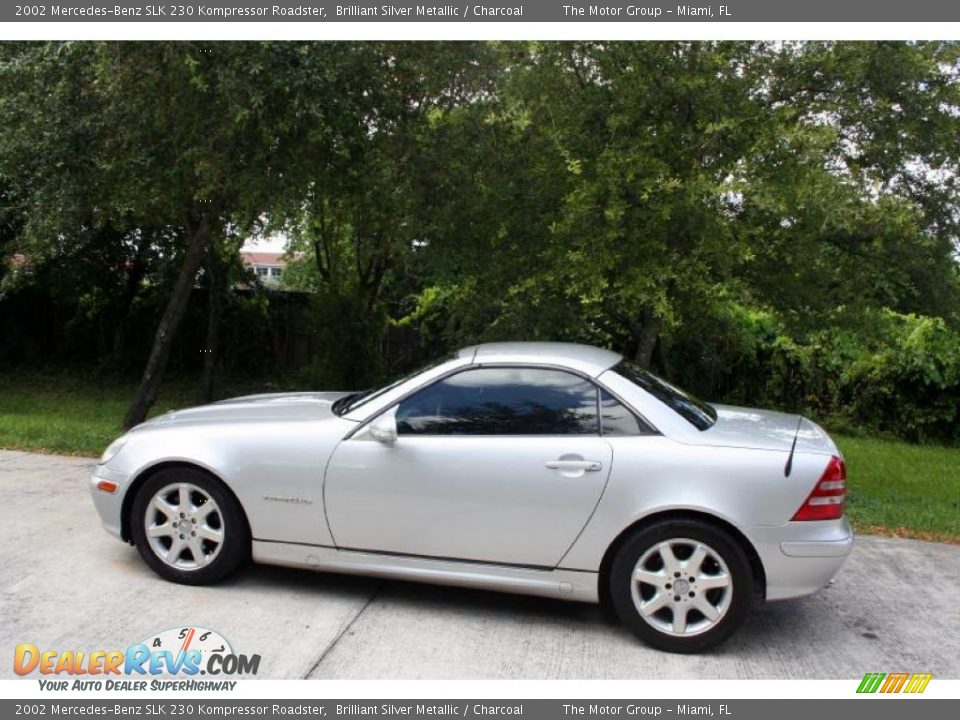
[(800, 558), (109, 504)]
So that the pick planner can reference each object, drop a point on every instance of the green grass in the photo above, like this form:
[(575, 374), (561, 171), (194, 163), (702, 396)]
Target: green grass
[(893, 487), (903, 489), (77, 415)]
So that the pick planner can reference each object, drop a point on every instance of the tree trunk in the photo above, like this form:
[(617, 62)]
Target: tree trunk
[(646, 336), (131, 288), (211, 351), (167, 330)]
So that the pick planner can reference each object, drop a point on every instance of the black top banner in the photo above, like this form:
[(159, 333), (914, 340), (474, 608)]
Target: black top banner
[(189, 706), (847, 11)]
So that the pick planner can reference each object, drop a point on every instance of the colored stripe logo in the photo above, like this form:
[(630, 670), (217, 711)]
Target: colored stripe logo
[(894, 682)]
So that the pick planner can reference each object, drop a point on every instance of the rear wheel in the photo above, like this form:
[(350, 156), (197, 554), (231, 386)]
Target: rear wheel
[(188, 528), (681, 585)]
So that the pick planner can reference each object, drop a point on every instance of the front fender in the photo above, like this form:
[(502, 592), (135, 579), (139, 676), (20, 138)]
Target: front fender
[(275, 471)]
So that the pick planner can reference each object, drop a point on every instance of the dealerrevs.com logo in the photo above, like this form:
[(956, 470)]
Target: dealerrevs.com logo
[(897, 682), (180, 652)]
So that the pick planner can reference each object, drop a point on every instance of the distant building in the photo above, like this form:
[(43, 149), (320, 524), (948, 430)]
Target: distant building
[(18, 261), (268, 266)]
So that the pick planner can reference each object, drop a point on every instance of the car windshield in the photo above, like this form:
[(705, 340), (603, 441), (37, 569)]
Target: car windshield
[(349, 403), (695, 411)]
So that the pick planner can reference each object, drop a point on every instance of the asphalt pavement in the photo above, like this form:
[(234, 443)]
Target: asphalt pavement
[(67, 584)]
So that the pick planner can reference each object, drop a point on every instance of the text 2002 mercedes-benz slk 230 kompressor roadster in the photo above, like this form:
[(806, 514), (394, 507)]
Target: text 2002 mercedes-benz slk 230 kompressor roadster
[(543, 468)]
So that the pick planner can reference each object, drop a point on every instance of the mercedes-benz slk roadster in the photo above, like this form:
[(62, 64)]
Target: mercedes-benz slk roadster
[(549, 469)]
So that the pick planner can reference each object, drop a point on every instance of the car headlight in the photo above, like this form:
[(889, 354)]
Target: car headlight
[(113, 449)]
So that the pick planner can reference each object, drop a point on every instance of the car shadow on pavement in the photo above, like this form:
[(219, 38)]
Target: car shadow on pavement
[(789, 620)]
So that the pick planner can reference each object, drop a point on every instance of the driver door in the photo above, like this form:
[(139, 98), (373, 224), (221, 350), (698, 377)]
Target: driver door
[(494, 464)]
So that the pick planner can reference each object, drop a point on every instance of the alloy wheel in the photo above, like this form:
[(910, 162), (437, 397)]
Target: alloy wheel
[(184, 526), (681, 587)]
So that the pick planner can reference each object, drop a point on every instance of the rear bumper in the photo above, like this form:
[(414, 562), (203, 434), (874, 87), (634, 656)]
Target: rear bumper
[(818, 548), (800, 558)]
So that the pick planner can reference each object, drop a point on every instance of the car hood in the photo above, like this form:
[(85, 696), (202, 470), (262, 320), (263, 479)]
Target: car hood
[(254, 408), (765, 430)]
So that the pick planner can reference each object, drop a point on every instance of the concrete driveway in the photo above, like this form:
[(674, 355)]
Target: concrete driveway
[(66, 584)]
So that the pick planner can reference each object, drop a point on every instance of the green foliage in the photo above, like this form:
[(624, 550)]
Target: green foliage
[(892, 373), (348, 340), (910, 383), (766, 223), (610, 190)]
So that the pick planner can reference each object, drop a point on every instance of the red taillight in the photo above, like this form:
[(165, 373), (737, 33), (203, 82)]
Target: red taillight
[(826, 500)]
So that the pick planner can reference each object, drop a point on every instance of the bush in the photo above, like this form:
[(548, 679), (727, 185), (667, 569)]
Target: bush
[(892, 373), (909, 383)]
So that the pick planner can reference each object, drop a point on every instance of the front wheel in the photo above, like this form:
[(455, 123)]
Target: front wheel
[(188, 528), (681, 585)]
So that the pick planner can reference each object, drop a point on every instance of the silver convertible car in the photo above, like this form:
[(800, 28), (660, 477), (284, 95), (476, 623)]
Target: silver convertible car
[(543, 468)]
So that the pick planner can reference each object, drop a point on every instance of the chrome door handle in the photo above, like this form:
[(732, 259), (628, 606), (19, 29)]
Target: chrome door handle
[(588, 465)]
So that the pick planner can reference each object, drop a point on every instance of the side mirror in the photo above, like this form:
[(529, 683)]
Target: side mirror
[(384, 428)]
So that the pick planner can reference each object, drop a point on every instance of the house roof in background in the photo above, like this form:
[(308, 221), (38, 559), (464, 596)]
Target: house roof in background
[(263, 258)]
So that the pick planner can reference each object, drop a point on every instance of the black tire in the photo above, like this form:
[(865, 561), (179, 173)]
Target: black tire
[(234, 550), (722, 547)]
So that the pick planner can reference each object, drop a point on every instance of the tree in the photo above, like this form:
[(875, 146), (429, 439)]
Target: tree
[(11, 224), (613, 210), (192, 137), (716, 207), (615, 192), (361, 220), (853, 201)]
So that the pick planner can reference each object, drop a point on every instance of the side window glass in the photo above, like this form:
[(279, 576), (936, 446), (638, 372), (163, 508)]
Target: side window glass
[(502, 401), (615, 419)]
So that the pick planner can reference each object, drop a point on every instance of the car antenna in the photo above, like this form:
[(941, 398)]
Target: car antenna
[(793, 446)]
